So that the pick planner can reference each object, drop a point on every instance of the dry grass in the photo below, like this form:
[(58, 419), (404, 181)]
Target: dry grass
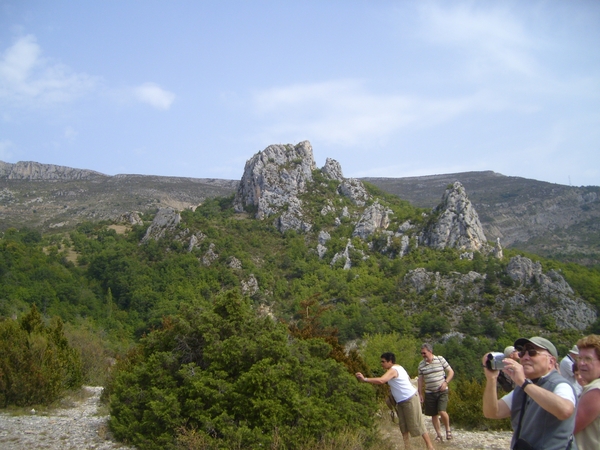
[(120, 229)]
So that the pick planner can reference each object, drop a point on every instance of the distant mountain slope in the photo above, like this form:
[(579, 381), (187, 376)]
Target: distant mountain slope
[(48, 197), (544, 218)]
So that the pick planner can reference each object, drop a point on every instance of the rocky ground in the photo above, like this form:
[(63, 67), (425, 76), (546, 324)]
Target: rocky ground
[(82, 424), (461, 439), (78, 425)]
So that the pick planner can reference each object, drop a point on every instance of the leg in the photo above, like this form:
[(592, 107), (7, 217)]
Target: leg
[(427, 440), (443, 404), (406, 438), (445, 420), (435, 420)]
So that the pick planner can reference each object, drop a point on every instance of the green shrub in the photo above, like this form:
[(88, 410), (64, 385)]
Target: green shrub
[(465, 407), (225, 374), (37, 364)]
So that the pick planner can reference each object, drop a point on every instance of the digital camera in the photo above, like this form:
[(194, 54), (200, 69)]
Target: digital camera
[(494, 361)]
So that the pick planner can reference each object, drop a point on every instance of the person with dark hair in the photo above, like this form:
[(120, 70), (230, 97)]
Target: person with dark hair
[(542, 406), (434, 376), (587, 421), (580, 381), (408, 408)]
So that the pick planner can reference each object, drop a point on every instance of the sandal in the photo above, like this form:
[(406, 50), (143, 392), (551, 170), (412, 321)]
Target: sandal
[(448, 435), (439, 438)]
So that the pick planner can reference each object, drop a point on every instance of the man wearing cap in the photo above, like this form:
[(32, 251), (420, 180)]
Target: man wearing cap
[(542, 405), (566, 368)]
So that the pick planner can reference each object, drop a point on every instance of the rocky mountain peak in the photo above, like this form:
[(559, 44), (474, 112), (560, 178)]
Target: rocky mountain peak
[(274, 178), (332, 170), (29, 170), (457, 224)]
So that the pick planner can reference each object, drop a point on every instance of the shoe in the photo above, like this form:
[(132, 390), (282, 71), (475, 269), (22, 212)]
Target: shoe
[(448, 435)]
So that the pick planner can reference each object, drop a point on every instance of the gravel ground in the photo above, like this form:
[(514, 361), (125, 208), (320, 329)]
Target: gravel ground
[(78, 427)]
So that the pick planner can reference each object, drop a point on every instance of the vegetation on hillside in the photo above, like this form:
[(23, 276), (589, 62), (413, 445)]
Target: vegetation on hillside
[(199, 360)]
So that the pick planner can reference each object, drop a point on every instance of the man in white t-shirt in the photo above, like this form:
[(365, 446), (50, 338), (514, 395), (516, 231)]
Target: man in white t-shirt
[(408, 405), (542, 405)]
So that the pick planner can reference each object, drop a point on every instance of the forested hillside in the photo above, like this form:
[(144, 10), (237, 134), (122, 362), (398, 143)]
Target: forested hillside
[(230, 318)]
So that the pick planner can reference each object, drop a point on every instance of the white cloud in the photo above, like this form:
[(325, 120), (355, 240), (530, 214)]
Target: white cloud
[(154, 95), (493, 39), (345, 112), (30, 80)]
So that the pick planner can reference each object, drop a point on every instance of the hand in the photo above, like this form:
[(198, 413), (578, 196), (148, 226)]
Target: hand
[(359, 376), (489, 374), (443, 386), (514, 370)]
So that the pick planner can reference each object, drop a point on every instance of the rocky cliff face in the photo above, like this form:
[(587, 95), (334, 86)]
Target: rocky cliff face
[(535, 294), (272, 181), (275, 178), (457, 223), (543, 218), (28, 170)]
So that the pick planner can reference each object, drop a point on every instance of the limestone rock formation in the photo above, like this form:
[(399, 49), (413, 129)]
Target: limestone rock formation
[(374, 218), (536, 294), (324, 236), (272, 181), (210, 256), (130, 218), (195, 240), (250, 286), (355, 191), (457, 224), (332, 170), (344, 255), (166, 219), (234, 263), (29, 170)]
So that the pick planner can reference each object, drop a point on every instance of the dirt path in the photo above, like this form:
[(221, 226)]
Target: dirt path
[(76, 427)]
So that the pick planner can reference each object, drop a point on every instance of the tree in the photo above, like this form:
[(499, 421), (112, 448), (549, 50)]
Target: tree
[(234, 377)]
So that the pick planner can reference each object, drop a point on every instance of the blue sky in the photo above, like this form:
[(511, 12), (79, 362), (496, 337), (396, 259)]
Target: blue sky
[(387, 88)]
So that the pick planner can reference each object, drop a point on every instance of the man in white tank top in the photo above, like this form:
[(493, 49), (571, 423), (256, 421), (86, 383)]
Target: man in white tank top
[(408, 405)]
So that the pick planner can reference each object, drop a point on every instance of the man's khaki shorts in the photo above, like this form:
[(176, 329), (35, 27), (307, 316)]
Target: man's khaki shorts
[(410, 418)]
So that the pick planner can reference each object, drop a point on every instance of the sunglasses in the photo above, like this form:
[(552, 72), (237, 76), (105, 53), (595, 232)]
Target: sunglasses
[(531, 352)]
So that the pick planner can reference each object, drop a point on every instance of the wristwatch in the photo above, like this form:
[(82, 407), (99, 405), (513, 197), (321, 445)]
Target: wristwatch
[(526, 383)]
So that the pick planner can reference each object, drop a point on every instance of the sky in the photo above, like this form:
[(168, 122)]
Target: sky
[(386, 88)]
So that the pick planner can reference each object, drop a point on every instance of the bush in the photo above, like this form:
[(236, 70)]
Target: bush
[(37, 364), (465, 407), (224, 375)]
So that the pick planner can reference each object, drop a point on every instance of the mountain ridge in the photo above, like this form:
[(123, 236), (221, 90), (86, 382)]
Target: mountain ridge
[(544, 218)]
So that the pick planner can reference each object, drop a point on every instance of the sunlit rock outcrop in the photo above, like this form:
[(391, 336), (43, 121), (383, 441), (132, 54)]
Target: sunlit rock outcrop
[(456, 223)]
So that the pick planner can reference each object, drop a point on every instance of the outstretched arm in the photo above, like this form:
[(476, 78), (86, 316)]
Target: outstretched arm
[(391, 373)]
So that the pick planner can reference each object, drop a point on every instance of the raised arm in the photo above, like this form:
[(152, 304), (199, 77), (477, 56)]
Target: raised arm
[(492, 407)]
